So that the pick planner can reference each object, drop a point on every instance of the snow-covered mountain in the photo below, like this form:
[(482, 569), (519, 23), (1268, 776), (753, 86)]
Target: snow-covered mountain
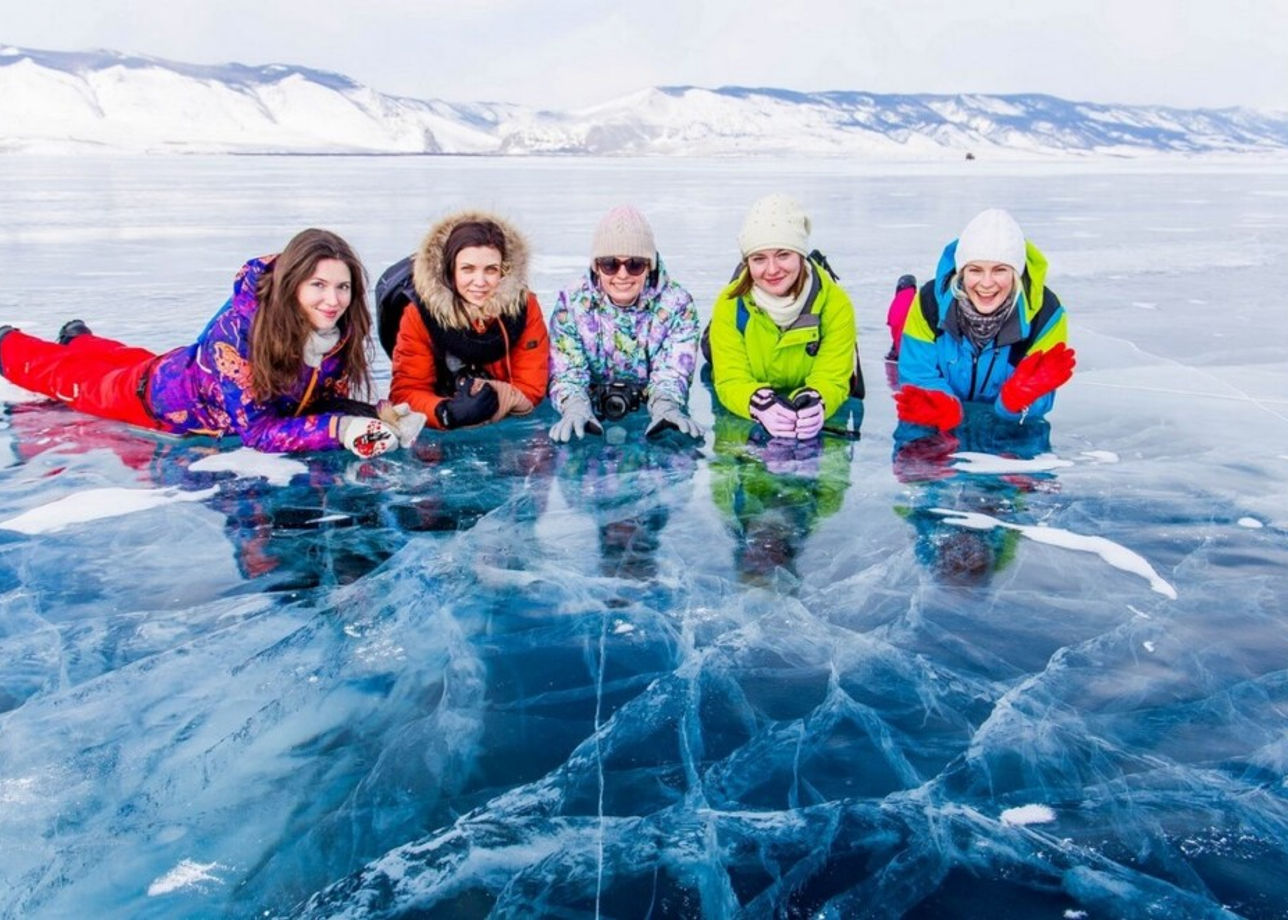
[(67, 100)]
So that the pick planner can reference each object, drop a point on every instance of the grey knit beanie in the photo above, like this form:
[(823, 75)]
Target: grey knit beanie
[(623, 231)]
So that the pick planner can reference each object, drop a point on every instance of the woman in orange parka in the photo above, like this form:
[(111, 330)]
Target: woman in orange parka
[(472, 346)]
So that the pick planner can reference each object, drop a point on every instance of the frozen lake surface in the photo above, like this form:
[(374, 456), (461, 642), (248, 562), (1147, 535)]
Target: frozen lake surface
[(1023, 672)]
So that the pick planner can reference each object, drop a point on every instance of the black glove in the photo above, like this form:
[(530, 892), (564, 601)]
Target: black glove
[(473, 403)]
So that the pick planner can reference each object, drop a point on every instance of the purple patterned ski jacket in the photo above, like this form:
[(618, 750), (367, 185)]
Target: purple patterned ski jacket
[(204, 388), (654, 342)]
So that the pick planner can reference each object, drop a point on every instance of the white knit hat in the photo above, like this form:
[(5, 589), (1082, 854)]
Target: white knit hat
[(775, 222), (623, 231), (992, 236)]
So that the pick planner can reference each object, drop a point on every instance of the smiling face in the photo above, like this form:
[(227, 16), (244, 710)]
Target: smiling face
[(477, 273), (325, 294), (987, 284), (621, 284), (774, 270)]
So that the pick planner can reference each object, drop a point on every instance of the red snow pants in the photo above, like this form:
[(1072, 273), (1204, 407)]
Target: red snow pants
[(93, 375)]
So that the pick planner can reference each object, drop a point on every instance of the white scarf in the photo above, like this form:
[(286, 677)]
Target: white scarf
[(318, 344), (784, 310)]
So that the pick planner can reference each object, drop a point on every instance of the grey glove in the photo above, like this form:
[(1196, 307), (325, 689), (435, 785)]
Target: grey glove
[(665, 413), (576, 418)]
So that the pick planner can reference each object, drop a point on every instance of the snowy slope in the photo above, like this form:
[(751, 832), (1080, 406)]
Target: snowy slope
[(66, 101), (50, 99)]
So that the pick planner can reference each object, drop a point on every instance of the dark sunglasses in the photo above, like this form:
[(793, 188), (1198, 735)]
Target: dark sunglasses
[(634, 266)]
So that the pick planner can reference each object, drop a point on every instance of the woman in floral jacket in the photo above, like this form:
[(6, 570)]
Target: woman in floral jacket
[(626, 336), (275, 366)]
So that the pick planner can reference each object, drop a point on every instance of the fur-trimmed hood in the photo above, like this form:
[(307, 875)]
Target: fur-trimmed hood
[(511, 295)]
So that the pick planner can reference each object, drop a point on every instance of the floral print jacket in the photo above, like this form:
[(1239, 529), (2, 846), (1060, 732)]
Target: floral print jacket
[(204, 388), (653, 342)]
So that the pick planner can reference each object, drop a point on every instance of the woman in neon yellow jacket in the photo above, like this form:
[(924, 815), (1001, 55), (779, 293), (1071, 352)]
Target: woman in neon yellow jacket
[(782, 333)]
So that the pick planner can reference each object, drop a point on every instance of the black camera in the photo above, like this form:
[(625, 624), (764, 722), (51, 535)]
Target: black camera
[(616, 400)]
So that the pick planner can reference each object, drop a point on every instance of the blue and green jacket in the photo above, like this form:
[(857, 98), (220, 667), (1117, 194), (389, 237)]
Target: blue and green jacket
[(942, 357)]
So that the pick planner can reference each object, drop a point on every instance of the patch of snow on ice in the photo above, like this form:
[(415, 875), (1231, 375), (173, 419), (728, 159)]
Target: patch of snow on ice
[(248, 463), (1113, 553), (1250, 522), (185, 875), (1028, 814), (96, 504), (991, 464)]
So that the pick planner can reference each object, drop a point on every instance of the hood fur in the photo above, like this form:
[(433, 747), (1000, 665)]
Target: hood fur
[(511, 295)]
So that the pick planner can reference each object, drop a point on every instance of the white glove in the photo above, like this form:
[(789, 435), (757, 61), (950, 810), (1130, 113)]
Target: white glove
[(665, 413), (367, 437), (576, 418), (408, 424)]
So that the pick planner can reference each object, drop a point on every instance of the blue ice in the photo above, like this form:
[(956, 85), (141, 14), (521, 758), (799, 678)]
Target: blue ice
[(1034, 670)]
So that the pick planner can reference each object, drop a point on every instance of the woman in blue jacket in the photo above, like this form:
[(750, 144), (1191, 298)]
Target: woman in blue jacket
[(986, 329)]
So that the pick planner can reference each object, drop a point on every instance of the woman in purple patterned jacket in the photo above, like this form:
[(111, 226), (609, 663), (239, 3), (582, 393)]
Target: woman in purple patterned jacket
[(275, 366), (625, 338)]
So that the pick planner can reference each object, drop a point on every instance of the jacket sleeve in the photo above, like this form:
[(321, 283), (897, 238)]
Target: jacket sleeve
[(677, 352), (225, 348), (413, 369), (834, 364), (530, 356), (1055, 332), (730, 369), (918, 353), (569, 365)]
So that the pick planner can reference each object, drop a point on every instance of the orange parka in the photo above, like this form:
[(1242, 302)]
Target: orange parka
[(519, 375)]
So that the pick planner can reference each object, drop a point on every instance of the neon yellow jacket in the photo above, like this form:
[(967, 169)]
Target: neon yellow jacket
[(762, 355)]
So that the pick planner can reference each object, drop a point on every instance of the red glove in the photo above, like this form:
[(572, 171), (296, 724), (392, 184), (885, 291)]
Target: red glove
[(934, 408), (1036, 376)]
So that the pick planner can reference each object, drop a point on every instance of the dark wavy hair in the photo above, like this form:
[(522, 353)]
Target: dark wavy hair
[(280, 328), (463, 236)]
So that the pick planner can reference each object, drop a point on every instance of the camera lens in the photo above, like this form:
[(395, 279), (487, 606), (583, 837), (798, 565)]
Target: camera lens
[(615, 406)]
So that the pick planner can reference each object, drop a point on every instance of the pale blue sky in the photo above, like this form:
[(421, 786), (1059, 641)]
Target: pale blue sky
[(567, 53)]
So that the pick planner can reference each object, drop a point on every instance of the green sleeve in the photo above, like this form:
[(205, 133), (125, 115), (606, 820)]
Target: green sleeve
[(834, 363), (730, 368)]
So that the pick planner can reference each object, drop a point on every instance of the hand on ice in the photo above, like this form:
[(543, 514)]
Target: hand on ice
[(473, 403), (933, 408), (575, 418), (406, 423), (367, 437), (774, 413), (664, 413), (810, 413)]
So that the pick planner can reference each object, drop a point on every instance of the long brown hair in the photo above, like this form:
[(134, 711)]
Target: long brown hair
[(280, 329)]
